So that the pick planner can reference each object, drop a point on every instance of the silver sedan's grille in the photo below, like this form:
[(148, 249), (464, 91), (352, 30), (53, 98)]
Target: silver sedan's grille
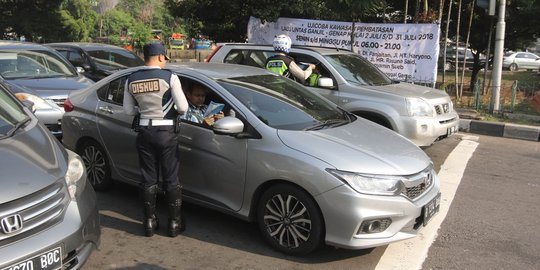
[(59, 102), (37, 211), (418, 184)]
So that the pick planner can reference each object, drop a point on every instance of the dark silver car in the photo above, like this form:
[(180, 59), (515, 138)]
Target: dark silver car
[(305, 170), (48, 213), (97, 60), (41, 75)]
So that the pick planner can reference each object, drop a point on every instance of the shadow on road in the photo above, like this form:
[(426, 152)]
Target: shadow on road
[(120, 209)]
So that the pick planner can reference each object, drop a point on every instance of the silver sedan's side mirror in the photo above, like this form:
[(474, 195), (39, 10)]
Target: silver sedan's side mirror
[(228, 125), (325, 82)]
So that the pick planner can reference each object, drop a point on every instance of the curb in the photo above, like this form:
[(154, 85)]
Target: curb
[(508, 130)]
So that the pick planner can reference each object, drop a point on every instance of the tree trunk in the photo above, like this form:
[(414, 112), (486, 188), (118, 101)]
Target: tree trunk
[(476, 57), (446, 37), (458, 94), (406, 10)]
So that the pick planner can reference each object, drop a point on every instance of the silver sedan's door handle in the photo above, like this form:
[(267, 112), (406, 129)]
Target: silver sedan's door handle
[(106, 110)]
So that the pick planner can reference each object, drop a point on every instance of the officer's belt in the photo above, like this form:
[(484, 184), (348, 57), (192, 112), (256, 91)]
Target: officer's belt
[(156, 122)]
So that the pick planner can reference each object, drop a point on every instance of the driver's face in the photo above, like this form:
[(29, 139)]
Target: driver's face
[(197, 96)]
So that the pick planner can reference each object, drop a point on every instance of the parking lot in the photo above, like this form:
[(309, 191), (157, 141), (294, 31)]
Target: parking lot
[(212, 240), (217, 241)]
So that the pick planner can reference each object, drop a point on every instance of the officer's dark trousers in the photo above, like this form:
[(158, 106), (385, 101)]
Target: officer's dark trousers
[(158, 151)]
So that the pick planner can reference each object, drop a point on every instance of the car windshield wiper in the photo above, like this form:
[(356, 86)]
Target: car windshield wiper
[(18, 125), (328, 123)]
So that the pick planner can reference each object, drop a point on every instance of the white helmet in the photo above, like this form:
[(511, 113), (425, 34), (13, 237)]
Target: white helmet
[(282, 43)]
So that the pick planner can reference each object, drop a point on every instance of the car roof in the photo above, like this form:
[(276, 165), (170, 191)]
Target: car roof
[(10, 44), (319, 49), (84, 45), (218, 70)]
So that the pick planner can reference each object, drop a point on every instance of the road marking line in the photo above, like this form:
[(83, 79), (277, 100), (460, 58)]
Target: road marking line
[(411, 253)]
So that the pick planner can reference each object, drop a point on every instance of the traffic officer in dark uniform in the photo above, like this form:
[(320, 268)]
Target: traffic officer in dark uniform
[(281, 63), (155, 94)]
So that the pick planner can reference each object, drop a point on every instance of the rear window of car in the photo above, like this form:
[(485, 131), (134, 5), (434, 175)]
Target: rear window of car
[(255, 58), (115, 59)]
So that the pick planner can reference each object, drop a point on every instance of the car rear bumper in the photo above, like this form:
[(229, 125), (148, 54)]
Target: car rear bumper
[(349, 209)]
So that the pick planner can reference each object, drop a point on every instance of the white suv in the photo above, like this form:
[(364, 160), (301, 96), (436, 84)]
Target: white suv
[(422, 114)]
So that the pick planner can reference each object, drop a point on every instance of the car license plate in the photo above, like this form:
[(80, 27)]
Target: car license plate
[(431, 208), (451, 130), (50, 260)]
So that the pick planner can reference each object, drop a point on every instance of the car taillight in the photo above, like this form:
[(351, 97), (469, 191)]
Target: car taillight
[(207, 59), (68, 106)]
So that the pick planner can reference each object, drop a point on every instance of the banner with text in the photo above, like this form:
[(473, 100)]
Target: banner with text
[(405, 52)]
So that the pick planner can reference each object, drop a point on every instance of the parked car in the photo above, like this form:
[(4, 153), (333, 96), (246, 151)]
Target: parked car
[(98, 60), (514, 61), (48, 211), (463, 57), (305, 170), (41, 75), (423, 115)]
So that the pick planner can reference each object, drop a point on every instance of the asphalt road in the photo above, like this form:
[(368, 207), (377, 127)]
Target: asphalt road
[(494, 220), (491, 224)]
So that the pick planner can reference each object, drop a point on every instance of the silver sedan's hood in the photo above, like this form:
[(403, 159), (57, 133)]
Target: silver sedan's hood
[(360, 146), (51, 87), (29, 163)]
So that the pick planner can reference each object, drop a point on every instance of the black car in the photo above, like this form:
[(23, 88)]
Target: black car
[(462, 55), (98, 60)]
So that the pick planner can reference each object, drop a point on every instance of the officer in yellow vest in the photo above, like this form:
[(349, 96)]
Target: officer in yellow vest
[(281, 63)]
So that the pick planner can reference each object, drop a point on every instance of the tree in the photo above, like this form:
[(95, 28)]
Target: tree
[(227, 20), (37, 21), (78, 20), (520, 14)]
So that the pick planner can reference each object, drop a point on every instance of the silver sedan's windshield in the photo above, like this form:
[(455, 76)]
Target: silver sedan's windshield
[(357, 70), (281, 103), (18, 64), (11, 115)]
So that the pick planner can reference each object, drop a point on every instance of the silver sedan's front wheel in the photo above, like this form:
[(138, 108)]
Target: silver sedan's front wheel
[(290, 220)]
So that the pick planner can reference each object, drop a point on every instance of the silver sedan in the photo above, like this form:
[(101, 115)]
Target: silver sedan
[(305, 170)]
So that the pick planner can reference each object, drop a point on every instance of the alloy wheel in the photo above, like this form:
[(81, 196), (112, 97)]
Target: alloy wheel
[(287, 220)]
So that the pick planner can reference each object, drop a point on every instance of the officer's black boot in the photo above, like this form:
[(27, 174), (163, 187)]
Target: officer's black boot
[(174, 203), (150, 220)]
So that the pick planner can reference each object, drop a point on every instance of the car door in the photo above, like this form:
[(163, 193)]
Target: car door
[(114, 128), (212, 166), (302, 59)]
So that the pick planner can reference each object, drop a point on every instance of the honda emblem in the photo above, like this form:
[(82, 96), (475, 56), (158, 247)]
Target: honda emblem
[(11, 224)]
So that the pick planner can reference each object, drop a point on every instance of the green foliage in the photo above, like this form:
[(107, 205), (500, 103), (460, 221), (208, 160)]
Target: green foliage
[(37, 21), (115, 21), (78, 20)]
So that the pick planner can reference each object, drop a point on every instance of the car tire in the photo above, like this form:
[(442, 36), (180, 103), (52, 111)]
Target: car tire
[(290, 220), (513, 67), (97, 165)]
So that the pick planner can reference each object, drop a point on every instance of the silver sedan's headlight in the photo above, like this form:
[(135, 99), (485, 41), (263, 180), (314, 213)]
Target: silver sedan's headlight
[(75, 175), (371, 184), (39, 103), (418, 107)]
